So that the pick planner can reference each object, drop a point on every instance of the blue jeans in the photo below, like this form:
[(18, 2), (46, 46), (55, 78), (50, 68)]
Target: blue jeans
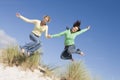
[(32, 46), (67, 53)]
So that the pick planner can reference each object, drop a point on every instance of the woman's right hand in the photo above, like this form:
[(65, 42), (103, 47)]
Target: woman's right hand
[(18, 15), (88, 27), (48, 36)]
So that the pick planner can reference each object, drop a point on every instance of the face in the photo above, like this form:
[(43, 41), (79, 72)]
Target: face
[(74, 29), (46, 19)]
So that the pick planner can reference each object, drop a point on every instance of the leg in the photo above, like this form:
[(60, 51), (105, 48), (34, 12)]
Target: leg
[(35, 41), (80, 52), (31, 45), (65, 55), (72, 49), (34, 48), (28, 45)]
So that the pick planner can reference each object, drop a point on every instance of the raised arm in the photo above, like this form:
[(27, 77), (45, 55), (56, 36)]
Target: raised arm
[(26, 19), (58, 35), (83, 30)]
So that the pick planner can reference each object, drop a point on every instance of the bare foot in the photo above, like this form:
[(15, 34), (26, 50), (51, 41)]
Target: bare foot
[(28, 53), (82, 54), (23, 50)]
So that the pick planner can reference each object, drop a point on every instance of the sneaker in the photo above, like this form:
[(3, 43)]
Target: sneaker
[(23, 50), (28, 54), (80, 52)]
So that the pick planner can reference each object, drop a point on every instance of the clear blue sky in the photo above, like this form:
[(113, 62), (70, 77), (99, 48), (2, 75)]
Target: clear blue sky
[(100, 43)]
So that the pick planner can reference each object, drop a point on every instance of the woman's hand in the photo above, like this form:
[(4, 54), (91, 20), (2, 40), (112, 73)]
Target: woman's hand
[(88, 27), (18, 15), (48, 36)]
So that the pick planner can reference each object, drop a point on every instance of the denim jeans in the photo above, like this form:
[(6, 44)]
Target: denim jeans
[(67, 53), (32, 46)]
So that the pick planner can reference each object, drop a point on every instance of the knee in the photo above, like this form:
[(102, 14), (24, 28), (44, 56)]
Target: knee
[(61, 57), (69, 51), (38, 42)]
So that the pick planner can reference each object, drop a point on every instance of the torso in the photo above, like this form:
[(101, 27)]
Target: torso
[(38, 29)]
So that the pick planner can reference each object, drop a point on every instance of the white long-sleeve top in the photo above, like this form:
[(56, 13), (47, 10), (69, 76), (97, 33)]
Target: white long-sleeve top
[(38, 29)]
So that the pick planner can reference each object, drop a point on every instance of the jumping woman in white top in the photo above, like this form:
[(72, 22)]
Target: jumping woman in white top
[(40, 27)]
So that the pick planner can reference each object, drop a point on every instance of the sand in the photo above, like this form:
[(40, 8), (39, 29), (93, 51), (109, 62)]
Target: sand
[(15, 73)]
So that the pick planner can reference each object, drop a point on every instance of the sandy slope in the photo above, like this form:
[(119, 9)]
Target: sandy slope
[(14, 73)]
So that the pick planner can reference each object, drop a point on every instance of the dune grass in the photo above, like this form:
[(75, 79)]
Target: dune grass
[(31, 62), (76, 71), (49, 70), (12, 56), (9, 55)]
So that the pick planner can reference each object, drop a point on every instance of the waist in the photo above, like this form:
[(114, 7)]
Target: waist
[(38, 33), (35, 34), (69, 42), (69, 46)]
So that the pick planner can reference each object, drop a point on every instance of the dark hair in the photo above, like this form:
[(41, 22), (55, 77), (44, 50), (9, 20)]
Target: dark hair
[(77, 24), (67, 28)]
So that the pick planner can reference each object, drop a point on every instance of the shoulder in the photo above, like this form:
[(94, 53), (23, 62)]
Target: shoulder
[(35, 21), (66, 31), (38, 21)]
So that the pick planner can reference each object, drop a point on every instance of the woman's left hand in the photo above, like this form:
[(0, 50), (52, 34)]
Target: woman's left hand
[(48, 36), (88, 27)]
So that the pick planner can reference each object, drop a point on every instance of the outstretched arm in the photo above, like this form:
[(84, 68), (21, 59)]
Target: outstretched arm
[(56, 35), (26, 19), (83, 30)]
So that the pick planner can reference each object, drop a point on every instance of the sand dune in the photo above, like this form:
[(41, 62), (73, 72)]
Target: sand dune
[(15, 73)]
